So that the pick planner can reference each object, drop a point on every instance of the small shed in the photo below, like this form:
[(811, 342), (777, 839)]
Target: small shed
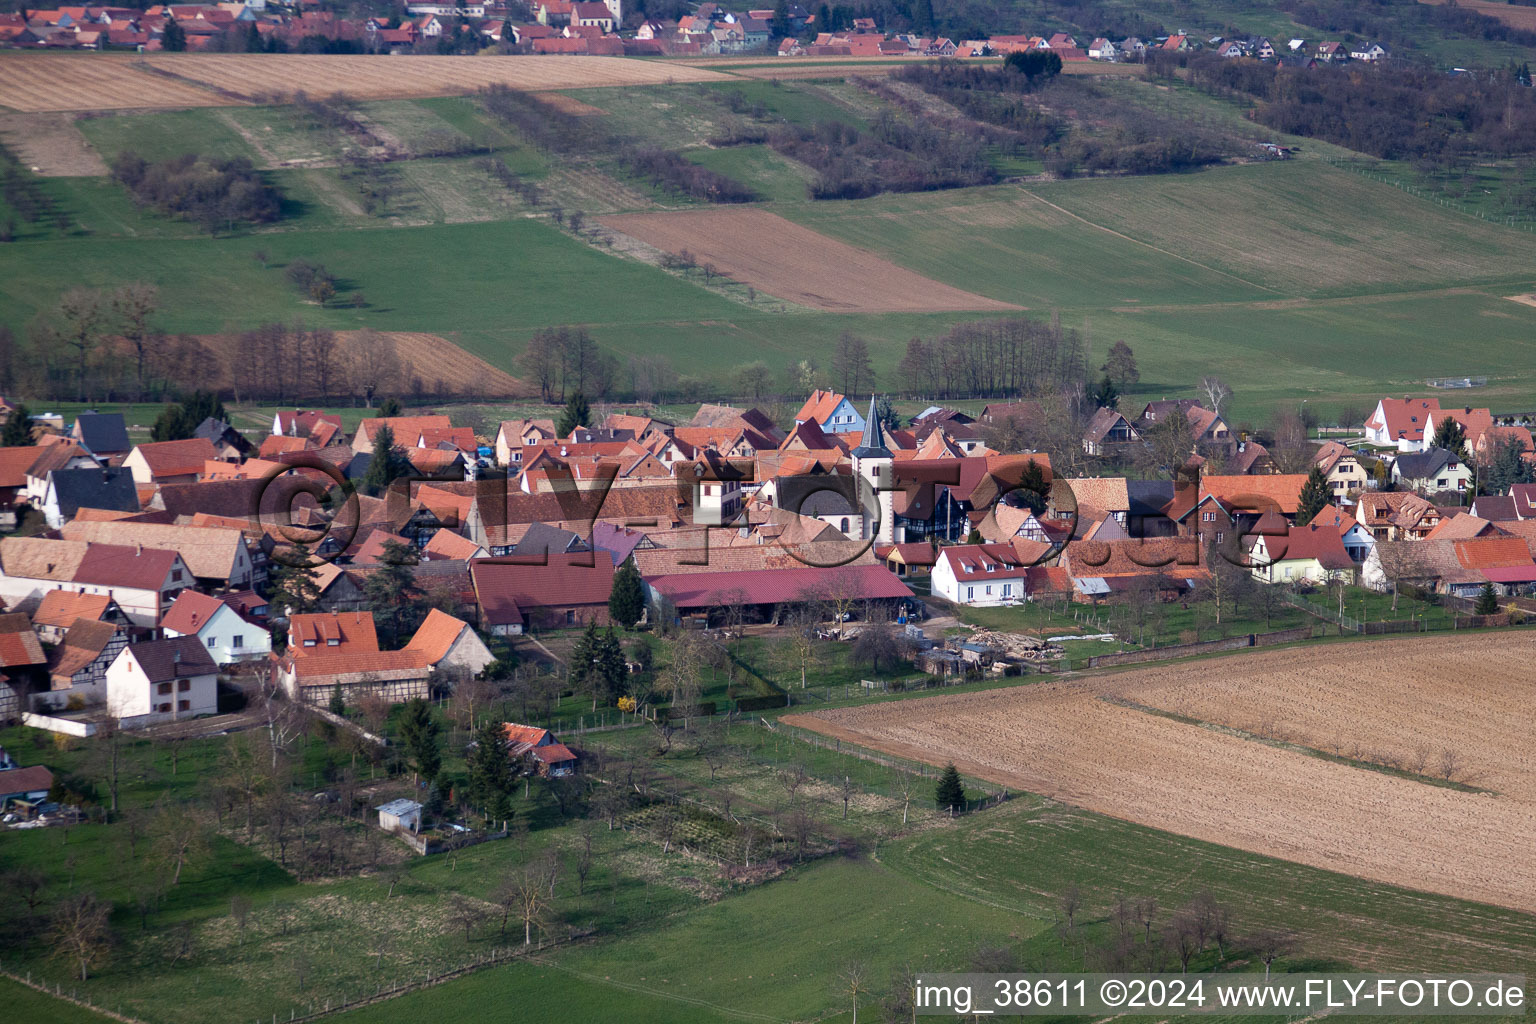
[(400, 814)]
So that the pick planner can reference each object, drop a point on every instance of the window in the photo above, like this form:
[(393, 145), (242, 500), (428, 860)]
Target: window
[(309, 642), (183, 705), (175, 575), (989, 589), (213, 641), (844, 527), (970, 592), (163, 688), (1209, 517), (1219, 536), (570, 617), (1007, 589), (183, 685), (237, 641), (164, 709)]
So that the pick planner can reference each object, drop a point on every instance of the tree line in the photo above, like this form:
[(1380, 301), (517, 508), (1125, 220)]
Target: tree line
[(1394, 111)]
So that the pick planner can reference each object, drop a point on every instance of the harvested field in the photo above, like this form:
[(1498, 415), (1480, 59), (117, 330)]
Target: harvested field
[(444, 368), (56, 81), (407, 77), (795, 263), (1509, 14), (51, 144), (60, 81), (1415, 703)]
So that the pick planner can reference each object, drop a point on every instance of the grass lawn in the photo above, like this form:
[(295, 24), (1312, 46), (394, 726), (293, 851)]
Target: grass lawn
[(28, 1004)]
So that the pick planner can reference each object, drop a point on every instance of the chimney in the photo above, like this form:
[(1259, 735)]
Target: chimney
[(176, 656)]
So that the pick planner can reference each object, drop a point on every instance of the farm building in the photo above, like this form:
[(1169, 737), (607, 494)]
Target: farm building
[(400, 814), (758, 595)]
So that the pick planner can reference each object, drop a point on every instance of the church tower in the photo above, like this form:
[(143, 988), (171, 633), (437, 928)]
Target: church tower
[(872, 465)]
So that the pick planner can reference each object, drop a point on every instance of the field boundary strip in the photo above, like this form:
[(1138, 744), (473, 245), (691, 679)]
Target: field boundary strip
[(57, 992)]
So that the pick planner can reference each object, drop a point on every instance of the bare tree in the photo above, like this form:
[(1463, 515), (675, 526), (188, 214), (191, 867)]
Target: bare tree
[(847, 790), (1146, 914), (793, 778), (1270, 944), (133, 305), (853, 981), (82, 316), (374, 365), (80, 933), (180, 837), (1071, 901), (1216, 393), (530, 902)]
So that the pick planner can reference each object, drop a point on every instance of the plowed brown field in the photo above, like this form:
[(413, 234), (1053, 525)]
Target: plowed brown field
[(1411, 699), (795, 263), (444, 368), (52, 81), (78, 81), (1510, 14)]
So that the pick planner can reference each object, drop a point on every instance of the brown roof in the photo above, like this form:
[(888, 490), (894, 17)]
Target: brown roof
[(14, 463), (121, 566), (41, 558), (1166, 556), (19, 646), (406, 428), (160, 662), (1109, 493), (190, 612), (1257, 493), (83, 644), (209, 552), (322, 669), (25, 780), (447, 544), (61, 608), (505, 589), (177, 458)]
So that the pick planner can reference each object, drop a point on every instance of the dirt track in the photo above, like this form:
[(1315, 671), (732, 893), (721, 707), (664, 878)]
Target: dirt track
[(782, 258), (1409, 699)]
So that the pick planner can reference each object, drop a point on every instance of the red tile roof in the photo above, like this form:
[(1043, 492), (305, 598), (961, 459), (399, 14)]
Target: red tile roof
[(1493, 553), (437, 635), (116, 565), (312, 633), (25, 780), (775, 586), (190, 612), (505, 588), (972, 562), (19, 646), (177, 458), (61, 608)]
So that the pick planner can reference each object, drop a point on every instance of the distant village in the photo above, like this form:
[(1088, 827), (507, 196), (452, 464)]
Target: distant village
[(135, 576), (580, 27)]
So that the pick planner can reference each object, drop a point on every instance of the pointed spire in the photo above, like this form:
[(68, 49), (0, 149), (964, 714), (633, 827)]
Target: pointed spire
[(873, 444)]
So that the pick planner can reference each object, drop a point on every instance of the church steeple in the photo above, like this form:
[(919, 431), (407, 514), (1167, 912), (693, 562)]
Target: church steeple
[(873, 444)]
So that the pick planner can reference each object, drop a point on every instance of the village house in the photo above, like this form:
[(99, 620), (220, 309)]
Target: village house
[(981, 575), (1432, 471), (67, 491), (143, 581), (1342, 468), (59, 609), (227, 635), (77, 667), (161, 681), (1303, 554), (103, 434), (170, 462), (218, 557), (832, 412), (1396, 515)]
